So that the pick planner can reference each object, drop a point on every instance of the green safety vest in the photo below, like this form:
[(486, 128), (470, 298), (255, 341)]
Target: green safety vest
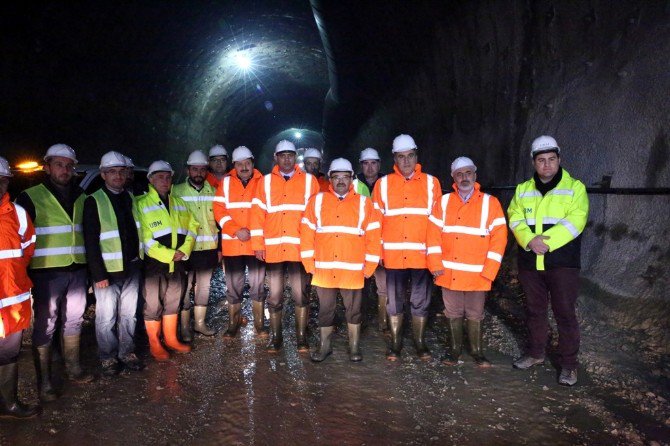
[(200, 205), (60, 240), (361, 188), (110, 239)]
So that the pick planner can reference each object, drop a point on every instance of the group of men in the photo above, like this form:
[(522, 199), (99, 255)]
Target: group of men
[(332, 231)]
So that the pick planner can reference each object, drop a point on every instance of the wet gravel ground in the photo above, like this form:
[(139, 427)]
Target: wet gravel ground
[(233, 392)]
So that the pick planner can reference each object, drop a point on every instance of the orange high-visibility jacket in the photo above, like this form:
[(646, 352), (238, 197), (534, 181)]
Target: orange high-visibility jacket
[(213, 180), (467, 240), (17, 245), (406, 206), (324, 184), (277, 211), (340, 240), (232, 210)]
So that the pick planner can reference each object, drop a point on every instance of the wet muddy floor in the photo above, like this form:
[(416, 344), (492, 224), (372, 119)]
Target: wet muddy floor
[(234, 392)]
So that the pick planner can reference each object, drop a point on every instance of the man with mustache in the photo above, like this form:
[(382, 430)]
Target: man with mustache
[(198, 195)]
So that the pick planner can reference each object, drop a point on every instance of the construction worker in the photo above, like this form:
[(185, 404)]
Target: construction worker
[(232, 210), (112, 246), (406, 198), (340, 244), (279, 203), (370, 165), (198, 195), (547, 216), (218, 165), (467, 240), (312, 159), (17, 245), (168, 234), (58, 267)]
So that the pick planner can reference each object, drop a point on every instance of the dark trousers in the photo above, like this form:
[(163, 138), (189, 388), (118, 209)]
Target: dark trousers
[(397, 285), (328, 300), (380, 282), (297, 278), (235, 278), (10, 347), (559, 287), (162, 294), (199, 281), (58, 296)]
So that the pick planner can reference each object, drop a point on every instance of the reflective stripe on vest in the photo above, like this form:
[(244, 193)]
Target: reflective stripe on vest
[(267, 181), (358, 230), (110, 238), (199, 204), (406, 211)]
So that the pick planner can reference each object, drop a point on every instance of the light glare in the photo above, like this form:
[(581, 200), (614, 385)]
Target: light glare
[(244, 62)]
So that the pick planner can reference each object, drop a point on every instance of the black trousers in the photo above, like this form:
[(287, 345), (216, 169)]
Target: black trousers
[(328, 299), (297, 278), (397, 283), (10, 347), (235, 278)]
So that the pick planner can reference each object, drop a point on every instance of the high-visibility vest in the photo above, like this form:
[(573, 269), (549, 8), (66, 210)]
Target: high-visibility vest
[(200, 204), (560, 214), (232, 210), (406, 206), (17, 244), (361, 188), (340, 241), (110, 238), (467, 241), (276, 214), (60, 239)]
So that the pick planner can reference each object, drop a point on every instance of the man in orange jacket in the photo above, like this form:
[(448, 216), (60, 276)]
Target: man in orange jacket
[(406, 198), (232, 210), (218, 165), (340, 246), (17, 245), (467, 240), (279, 203)]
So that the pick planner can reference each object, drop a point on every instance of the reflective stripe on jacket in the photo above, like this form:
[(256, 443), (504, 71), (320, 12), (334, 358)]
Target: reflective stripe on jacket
[(60, 239), (340, 240), (277, 212), (467, 241), (200, 205), (17, 244), (232, 210), (560, 214), (406, 206)]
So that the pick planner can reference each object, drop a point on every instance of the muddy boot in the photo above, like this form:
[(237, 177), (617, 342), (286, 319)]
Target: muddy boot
[(258, 311), (395, 322), (170, 334), (455, 343), (199, 313), (419, 331), (276, 336), (324, 349), (235, 316), (73, 368), (354, 341), (10, 406), (153, 333), (301, 319), (185, 325), (382, 315), (475, 339), (42, 355)]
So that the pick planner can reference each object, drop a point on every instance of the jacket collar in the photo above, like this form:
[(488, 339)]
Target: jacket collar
[(296, 171), (417, 172)]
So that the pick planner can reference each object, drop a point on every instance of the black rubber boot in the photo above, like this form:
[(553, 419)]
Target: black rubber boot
[(475, 339), (276, 336), (419, 331), (354, 342), (258, 310), (185, 326), (234, 311), (301, 319), (324, 349), (10, 406), (199, 313), (395, 323), (73, 368), (42, 355), (382, 315), (455, 341)]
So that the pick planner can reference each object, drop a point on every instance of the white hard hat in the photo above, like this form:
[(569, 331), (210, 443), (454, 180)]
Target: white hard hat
[(129, 161), (218, 150), (340, 165), (112, 159), (285, 146), (197, 158), (60, 150), (242, 153), (4, 168), (369, 154), (543, 143), (312, 153), (159, 166), (462, 161), (402, 143)]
